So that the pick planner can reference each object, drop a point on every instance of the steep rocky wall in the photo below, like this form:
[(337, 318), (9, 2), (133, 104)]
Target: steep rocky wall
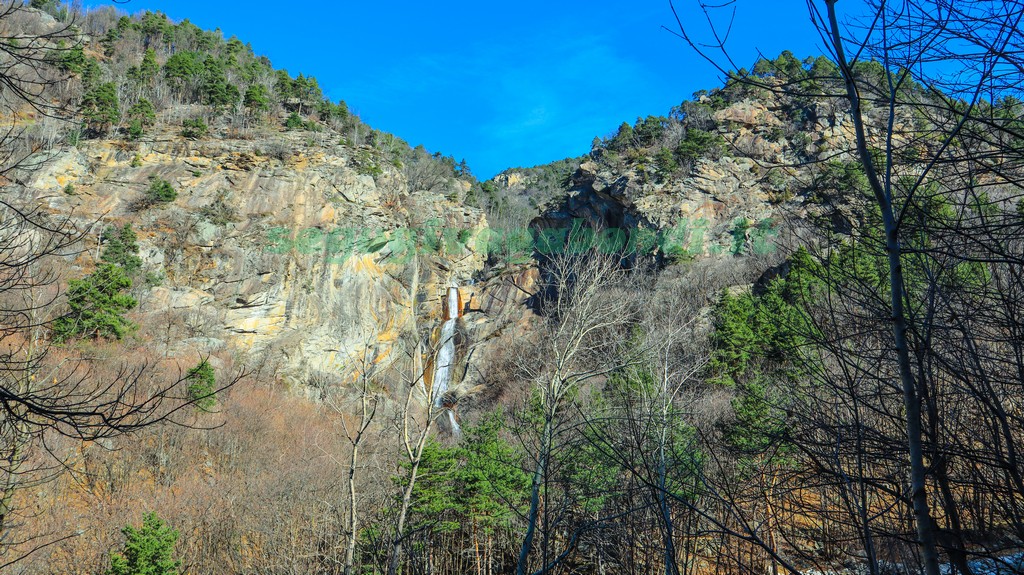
[(252, 255), (761, 188)]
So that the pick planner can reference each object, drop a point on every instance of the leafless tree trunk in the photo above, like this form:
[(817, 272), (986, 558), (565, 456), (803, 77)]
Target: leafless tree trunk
[(356, 433), (584, 306), (897, 293)]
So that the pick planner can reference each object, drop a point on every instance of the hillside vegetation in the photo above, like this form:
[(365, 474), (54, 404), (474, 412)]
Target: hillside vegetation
[(776, 330)]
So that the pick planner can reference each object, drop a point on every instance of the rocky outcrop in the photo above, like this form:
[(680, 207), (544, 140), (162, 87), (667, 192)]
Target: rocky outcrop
[(735, 202), (288, 254)]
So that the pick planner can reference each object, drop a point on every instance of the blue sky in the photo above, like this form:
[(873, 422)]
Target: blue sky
[(499, 84)]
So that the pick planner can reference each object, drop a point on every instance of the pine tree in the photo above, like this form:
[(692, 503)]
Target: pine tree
[(256, 98), (100, 109), (97, 302), (147, 551), (149, 68), (121, 248), (202, 385), (97, 305), (142, 115)]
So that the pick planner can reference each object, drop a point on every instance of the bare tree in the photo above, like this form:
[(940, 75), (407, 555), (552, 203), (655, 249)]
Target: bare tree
[(367, 402), (928, 87), (586, 303), (30, 48)]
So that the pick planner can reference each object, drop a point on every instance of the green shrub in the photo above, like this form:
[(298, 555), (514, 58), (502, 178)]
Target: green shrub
[(147, 551), (296, 122), (202, 386), (777, 187), (801, 140), (194, 129), (220, 212), (135, 130), (160, 191), (367, 164), (97, 304), (840, 176)]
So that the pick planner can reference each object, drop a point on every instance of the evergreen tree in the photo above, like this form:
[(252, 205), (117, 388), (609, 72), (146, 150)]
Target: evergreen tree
[(435, 504), (183, 68), (97, 302), (215, 90), (491, 482), (100, 108), (194, 129), (146, 72), (149, 68), (121, 248), (202, 385), (147, 551), (69, 60), (142, 115), (97, 305), (698, 144), (256, 98)]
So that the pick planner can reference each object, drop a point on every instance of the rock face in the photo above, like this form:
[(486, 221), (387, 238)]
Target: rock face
[(736, 202), (705, 207), (294, 257)]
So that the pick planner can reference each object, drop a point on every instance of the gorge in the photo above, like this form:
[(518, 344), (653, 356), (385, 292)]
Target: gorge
[(776, 330)]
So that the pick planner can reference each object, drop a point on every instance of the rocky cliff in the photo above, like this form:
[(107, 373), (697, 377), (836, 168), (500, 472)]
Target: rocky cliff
[(296, 259), (765, 168)]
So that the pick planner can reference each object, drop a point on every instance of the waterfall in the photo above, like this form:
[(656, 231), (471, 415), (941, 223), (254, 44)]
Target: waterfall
[(455, 425), (446, 354)]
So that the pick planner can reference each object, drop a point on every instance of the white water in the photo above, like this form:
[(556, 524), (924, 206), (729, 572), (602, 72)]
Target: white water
[(446, 353), (455, 425), (443, 361)]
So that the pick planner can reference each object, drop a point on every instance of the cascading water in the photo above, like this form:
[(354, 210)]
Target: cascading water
[(446, 355), (455, 425)]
